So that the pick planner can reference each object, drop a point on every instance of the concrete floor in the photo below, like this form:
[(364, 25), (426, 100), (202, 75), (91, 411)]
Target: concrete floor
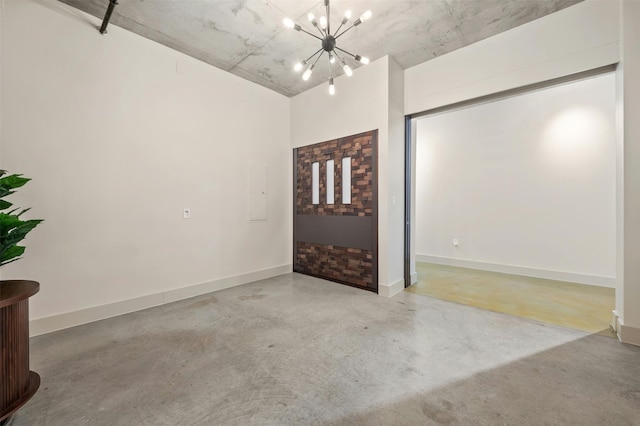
[(583, 307), (299, 350)]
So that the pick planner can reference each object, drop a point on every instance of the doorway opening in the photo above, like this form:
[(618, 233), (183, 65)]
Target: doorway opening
[(511, 202)]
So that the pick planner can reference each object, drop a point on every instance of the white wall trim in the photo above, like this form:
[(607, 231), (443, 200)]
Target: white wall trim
[(96, 313), (414, 278), (390, 290), (626, 334), (609, 282), (615, 322)]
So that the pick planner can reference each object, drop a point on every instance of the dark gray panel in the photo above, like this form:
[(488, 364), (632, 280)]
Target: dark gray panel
[(342, 231)]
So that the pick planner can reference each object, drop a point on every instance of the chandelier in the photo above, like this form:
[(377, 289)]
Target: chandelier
[(328, 43)]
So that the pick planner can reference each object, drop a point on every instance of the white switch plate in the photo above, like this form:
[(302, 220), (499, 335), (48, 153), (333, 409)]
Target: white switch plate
[(455, 242), (186, 214)]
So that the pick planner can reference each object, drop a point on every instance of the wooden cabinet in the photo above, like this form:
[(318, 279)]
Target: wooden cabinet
[(17, 383)]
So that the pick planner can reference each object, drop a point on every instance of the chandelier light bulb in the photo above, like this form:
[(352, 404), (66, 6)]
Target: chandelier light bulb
[(347, 70), (311, 18), (307, 73), (347, 16), (365, 16), (362, 59), (288, 23), (323, 22), (332, 58), (298, 66), (332, 88)]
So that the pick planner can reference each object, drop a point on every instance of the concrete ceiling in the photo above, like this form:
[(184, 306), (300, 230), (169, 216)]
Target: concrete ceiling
[(247, 38)]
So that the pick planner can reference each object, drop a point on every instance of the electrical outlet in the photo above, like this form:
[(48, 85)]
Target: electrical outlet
[(186, 214), (455, 242)]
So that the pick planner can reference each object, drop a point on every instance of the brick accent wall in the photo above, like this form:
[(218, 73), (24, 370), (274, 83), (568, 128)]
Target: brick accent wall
[(349, 265), (360, 149)]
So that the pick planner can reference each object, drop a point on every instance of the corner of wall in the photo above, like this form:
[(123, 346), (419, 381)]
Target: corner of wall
[(630, 98), (390, 290), (625, 333)]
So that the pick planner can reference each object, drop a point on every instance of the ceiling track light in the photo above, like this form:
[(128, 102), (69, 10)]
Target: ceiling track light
[(328, 42)]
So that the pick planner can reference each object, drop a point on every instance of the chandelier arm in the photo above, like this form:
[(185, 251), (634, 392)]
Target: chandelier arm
[(334, 35), (337, 56), (352, 25), (344, 51), (318, 58), (310, 57), (322, 33), (311, 34)]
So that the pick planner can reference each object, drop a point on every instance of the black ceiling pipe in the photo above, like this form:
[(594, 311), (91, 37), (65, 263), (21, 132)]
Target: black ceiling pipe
[(107, 16)]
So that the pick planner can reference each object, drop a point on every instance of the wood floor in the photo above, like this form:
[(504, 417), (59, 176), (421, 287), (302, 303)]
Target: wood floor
[(578, 306)]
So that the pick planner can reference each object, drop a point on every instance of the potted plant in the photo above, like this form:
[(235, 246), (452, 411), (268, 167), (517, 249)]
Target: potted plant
[(13, 228), (17, 383)]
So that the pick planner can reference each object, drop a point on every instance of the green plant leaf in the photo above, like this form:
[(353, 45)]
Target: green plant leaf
[(4, 192), (11, 253), (23, 211), (12, 228), (15, 233), (12, 260), (13, 181), (8, 221)]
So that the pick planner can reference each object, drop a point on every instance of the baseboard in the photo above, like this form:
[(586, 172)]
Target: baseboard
[(615, 322), (629, 335), (414, 278), (609, 282), (96, 313), (391, 289), (626, 334)]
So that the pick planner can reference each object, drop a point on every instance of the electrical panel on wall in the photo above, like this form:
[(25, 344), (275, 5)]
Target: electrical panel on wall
[(257, 192)]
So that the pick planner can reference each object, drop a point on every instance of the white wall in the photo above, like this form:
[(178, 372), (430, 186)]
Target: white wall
[(119, 135), (526, 181), (581, 37), (396, 152), (628, 322), (361, 103)]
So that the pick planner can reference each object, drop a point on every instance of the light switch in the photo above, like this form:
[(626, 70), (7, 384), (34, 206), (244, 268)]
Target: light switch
[(186, 214)]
